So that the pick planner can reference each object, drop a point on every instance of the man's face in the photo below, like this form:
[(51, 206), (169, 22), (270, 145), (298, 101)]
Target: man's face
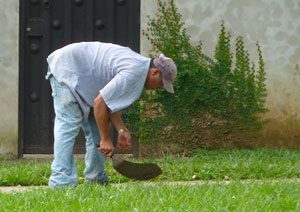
[(154, 79)]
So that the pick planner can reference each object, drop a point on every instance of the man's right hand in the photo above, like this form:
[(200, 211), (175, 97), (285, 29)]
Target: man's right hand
[(106, 147)]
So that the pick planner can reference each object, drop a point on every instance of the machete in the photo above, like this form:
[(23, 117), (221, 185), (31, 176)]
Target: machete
[(137, 171)]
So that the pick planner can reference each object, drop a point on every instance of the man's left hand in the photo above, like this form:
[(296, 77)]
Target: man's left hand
[(124, 140)]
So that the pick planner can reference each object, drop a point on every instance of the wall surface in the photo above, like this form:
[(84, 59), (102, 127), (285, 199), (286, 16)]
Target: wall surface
[(9, 45), (276, 25)]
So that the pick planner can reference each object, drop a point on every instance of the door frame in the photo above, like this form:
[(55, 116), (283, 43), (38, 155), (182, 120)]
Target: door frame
[(21, 98)]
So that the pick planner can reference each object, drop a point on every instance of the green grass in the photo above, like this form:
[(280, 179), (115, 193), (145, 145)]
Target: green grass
[(204, 165), (268, 196), (234, 164)]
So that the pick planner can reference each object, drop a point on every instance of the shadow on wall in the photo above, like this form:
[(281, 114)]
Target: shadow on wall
[(281, 133), (283, 126)]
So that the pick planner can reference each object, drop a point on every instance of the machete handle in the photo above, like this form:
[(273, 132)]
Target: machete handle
[(98, 145)]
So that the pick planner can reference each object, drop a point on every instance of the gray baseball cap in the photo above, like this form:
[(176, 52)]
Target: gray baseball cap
[(168, 69)]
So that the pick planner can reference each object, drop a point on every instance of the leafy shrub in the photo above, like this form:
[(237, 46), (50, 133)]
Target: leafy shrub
[(233, 91)]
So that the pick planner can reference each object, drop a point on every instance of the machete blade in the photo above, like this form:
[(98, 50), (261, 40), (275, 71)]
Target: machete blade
[(137, 171)]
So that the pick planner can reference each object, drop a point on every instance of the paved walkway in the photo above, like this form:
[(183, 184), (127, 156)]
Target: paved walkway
[(8, 189)]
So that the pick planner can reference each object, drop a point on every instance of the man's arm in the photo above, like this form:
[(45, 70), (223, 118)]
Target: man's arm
[(101, 114), (124, 136), (103, 117), (117, 121)]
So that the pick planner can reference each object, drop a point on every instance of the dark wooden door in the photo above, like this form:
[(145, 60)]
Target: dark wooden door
[(46, 25)]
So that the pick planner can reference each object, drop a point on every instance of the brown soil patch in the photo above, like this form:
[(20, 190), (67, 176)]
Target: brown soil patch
[(210, 132)]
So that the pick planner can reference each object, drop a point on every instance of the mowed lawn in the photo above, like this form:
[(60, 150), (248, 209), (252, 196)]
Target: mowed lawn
[(159, 197), (203, 165), (260, 180)]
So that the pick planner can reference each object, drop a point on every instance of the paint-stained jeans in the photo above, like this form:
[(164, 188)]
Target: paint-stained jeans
[(68, 121)]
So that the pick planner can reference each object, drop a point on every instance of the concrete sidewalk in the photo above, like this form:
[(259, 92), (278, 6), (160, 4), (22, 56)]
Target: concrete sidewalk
[(9, 189)]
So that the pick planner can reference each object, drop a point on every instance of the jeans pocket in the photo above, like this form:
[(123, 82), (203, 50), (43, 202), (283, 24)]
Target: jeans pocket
[(70, 104), (67, 96)]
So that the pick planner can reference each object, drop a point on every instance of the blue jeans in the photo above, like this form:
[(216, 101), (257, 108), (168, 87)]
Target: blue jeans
[(68, 121)]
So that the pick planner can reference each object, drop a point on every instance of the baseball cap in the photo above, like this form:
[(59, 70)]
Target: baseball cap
[(168, 69)]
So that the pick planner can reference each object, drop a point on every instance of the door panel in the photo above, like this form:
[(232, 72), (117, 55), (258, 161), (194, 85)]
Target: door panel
[(46, 25)]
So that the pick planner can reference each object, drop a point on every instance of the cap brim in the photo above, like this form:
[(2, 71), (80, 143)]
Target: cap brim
[(168, 86)]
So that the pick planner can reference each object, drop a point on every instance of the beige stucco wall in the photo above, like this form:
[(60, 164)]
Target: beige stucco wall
[(276, 25), (9, 22)]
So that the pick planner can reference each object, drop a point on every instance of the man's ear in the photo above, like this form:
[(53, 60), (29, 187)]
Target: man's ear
[(154, 71)]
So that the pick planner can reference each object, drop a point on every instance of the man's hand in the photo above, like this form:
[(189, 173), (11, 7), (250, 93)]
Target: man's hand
[(124, 140), (106, 147)]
